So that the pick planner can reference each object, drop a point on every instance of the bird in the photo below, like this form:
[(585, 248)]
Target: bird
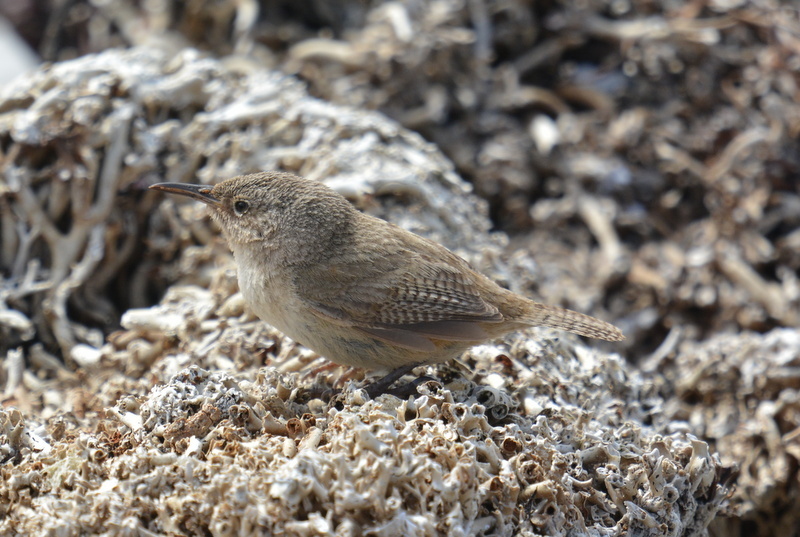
[(357, 289)]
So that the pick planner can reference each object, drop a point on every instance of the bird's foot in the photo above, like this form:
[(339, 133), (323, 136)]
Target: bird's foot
[(409, 388), (383, 385)]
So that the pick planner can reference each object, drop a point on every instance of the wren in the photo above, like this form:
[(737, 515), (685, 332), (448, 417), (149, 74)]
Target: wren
[(359, 290)]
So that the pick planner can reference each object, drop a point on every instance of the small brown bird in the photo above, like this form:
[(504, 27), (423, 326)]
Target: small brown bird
[(356, 289)]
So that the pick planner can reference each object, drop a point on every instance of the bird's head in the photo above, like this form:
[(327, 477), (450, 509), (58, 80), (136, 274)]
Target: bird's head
[(272, 208)]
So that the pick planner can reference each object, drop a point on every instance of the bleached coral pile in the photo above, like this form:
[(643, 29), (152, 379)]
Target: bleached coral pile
[(206, 453), (743, 393)]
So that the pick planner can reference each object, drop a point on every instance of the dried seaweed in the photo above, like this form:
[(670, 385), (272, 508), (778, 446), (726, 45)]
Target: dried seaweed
[(680, 120)]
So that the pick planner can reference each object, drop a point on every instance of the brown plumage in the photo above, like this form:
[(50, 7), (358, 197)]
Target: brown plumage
[(358, 290)]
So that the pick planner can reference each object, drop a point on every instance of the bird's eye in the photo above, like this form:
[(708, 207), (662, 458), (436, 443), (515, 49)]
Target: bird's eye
[(240, 207)]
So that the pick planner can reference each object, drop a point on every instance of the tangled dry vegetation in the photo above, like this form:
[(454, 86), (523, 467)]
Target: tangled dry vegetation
[(666, 132), (645, 156)]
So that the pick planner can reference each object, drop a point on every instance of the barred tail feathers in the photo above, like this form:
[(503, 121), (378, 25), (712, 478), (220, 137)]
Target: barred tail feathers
[(571, 321)]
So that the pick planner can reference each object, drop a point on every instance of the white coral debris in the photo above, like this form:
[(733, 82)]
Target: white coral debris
[(252, 455)]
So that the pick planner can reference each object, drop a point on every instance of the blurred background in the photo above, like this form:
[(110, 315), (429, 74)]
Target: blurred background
[(663, 132)]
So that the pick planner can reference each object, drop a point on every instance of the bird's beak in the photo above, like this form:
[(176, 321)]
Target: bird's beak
[(197, 192)]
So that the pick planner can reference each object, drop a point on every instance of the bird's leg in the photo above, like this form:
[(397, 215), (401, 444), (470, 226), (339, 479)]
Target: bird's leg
[(382, 385), (409, 388), (377, 388)]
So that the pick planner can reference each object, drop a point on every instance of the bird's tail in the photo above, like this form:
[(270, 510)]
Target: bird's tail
[(571, 321)]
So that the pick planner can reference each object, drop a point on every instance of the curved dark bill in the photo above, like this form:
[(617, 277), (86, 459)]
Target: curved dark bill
[(198, 192)]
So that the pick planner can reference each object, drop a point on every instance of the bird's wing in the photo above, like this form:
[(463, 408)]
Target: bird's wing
[(410, 307)]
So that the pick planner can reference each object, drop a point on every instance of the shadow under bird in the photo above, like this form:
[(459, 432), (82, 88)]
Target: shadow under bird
[(359, 290)]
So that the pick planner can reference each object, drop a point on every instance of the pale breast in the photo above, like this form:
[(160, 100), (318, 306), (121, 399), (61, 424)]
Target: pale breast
[(267, 293)]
